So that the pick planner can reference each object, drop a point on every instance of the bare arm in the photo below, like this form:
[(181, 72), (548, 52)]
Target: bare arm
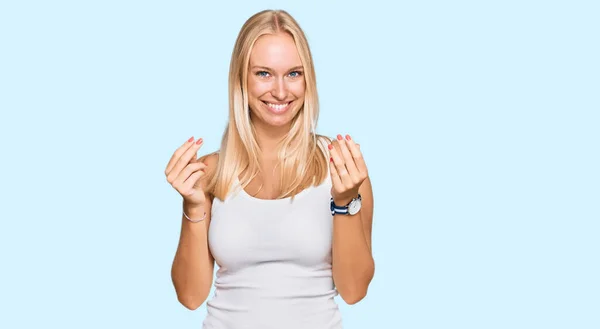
[(193, 264), (353, 266)]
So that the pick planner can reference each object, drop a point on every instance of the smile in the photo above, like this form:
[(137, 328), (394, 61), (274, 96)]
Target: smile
[(277, 108)]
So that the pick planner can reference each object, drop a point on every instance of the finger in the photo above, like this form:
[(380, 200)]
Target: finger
[(348, 159), (357, 156), (187, 172), (180, 150), (187, 188), (195, 157), (339, 165), (335, 177), (184, 160)]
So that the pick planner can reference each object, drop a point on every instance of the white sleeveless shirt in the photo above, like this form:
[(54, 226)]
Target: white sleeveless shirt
[(274, 260)]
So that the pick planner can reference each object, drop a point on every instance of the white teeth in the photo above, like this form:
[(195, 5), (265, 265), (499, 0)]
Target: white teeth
[(278, 106)]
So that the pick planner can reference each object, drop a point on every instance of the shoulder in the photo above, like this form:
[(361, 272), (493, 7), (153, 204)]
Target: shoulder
[(323, 141), (324, 138), (211, 160)]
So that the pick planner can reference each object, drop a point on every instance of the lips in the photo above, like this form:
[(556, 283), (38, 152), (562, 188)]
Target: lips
[(277, 107)]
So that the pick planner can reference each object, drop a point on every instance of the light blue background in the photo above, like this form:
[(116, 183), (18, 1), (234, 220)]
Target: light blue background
[(479, 121)]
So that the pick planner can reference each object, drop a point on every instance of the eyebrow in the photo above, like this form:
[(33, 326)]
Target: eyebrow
[(300, 67)]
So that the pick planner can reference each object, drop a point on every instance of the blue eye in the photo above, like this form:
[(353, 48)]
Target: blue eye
[(262, 74), (295, 74)]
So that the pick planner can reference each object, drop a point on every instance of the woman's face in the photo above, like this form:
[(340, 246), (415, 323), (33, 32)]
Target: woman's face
[(275, 80)]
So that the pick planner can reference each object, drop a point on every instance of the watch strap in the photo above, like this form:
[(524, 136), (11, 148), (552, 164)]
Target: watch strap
[(338, 209), (343, 210)]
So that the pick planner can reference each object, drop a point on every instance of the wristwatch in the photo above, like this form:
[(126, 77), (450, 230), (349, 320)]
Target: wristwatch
[(350, 209)]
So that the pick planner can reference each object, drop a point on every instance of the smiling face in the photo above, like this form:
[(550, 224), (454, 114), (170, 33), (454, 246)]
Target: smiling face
[(275, 81)]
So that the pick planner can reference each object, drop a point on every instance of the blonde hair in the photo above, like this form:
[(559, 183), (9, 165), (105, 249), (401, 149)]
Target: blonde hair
[(302, 163)]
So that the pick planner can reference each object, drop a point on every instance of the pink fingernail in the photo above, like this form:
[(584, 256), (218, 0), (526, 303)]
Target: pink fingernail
[(348, 137), (199, 141), (191, 139)]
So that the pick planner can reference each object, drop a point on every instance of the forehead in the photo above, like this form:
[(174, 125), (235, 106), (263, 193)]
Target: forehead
[(276, 51)]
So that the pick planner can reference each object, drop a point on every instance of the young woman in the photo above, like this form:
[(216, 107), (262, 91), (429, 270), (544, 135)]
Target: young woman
[(285, 212)]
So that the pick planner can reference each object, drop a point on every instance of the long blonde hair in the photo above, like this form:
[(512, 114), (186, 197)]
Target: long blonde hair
[(301, 163)]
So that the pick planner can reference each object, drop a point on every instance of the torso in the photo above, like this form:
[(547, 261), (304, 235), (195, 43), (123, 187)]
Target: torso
[(266, 186), (274, 258)]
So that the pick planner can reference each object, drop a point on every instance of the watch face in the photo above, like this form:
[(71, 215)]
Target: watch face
[(354, 206)]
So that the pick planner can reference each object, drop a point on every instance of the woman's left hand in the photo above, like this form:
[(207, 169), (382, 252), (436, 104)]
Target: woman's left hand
[(348, 169)]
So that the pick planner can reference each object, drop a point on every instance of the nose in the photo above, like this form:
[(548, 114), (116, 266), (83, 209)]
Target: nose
[(280, 89)]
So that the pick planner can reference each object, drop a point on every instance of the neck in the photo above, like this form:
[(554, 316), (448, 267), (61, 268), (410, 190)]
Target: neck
[(268, 137)]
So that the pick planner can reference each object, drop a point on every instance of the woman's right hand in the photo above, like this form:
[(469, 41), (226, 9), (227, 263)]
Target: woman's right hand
[(184, 171)]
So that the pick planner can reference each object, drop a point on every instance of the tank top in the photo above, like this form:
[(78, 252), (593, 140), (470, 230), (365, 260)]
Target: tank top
[(274, 259)]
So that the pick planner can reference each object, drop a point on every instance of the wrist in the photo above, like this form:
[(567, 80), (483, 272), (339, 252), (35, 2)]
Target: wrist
[(194, 212), (193, 219), (346, 206), (342, 201), (191, 207)]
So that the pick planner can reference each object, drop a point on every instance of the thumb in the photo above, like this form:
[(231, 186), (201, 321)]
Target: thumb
[(194, 158)]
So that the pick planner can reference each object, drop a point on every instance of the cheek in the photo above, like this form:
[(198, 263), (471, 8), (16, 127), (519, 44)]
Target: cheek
[(257, 88), (298, 89)]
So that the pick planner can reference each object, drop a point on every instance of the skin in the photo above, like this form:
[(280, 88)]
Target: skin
[(275, 76), (353, 266)]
